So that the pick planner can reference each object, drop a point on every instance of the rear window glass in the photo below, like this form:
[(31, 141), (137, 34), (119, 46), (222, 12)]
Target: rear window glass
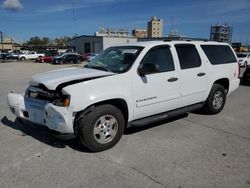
[(219, 54), (188, 56)]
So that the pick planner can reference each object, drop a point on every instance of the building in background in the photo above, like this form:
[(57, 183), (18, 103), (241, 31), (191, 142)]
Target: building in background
[(96, 44), (221, 33), (8, 44), (139, 33), (155, 28), (239, 47), (112, 33)]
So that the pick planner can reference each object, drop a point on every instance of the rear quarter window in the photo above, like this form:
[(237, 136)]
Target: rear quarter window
[(219, 54)]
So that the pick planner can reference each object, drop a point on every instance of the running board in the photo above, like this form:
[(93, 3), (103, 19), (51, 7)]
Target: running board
[(165, 115)]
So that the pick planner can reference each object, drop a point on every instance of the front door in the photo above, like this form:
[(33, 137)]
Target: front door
[(159, 91)]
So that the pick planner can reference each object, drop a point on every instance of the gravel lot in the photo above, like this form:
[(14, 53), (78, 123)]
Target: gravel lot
[(189, 151)]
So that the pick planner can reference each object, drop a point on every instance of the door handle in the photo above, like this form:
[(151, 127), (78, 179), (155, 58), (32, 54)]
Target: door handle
[(173, 79), (201, 74)]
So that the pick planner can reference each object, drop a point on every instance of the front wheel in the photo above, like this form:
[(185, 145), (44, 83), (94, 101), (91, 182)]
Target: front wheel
[(101, 128), (216, 100)]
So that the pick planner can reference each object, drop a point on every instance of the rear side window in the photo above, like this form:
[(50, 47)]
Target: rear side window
[(188, 56), (219, 54), (161, 56)]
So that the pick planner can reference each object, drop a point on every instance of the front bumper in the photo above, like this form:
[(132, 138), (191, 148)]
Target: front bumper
[(56, 118), (241, 63)]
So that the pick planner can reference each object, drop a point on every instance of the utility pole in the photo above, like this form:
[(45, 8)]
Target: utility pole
[(1, 33), (74, 16)]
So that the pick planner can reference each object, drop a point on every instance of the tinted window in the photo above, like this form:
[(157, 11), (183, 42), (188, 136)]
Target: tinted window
[(188, 56), (160, 56), (241, 55), (219, 54)]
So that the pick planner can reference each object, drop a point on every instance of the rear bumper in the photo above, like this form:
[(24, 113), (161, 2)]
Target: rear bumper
[(56, 118), (234, 84)]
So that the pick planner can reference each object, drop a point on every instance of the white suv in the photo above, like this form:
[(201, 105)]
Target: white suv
[(130, 85), (244, 59)]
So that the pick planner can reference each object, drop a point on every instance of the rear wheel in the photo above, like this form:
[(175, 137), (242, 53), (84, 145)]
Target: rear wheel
[(101, 128), (216, 100), (22, 58), (61, 62)]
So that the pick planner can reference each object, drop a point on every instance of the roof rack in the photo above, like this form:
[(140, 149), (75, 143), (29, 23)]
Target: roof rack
[(183, 39)]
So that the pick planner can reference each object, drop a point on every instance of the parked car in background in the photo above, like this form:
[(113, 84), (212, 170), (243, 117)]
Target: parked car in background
[(30, 55), (45, 59), (67, 58), (244, 59), (88, 56), (12, 55), (246, 76), (3, 55)]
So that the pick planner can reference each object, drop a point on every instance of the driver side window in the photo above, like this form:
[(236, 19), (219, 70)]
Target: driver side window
[(160, 56)]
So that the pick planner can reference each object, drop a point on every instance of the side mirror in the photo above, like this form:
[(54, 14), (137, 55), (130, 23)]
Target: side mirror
[(148, 68)]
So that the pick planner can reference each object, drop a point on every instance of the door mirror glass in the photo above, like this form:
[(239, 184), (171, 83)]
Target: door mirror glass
[(148, 68)]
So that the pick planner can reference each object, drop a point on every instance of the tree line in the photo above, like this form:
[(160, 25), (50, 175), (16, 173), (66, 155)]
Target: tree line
[(45, 41)]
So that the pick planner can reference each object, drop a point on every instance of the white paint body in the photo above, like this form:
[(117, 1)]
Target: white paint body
[(129, 86), (244, 60), (30, 55)]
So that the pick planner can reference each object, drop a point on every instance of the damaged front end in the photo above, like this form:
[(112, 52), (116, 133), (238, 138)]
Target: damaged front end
[(42, 106)]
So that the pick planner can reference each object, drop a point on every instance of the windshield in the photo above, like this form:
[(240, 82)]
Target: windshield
[(241, 55), (115, 59)]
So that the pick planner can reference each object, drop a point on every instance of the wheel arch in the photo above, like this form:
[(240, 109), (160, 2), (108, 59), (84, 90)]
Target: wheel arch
[(117, 102), (224, 82)]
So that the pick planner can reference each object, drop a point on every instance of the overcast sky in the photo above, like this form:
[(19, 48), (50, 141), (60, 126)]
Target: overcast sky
[(22, 19)]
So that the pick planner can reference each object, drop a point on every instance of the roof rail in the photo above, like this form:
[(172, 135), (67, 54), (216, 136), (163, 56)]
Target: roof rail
[(188, 40)]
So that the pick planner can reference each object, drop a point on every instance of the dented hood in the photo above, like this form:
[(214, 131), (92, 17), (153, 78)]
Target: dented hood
[(54, 78)]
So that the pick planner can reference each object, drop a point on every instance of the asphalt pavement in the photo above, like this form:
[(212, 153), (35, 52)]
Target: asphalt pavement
[(186, 152)]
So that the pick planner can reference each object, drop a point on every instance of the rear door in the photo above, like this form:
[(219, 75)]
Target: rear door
[(32, 55), (192, 75)]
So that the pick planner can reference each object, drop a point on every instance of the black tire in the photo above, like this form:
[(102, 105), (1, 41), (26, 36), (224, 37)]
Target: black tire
[(245, 64), (61, 62), (211, 106), (78, 61), (22, 58), (87, 122)]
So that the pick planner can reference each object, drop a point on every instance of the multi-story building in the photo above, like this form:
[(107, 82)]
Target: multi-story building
[(221, 33), (139, 33), (155, 28)]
